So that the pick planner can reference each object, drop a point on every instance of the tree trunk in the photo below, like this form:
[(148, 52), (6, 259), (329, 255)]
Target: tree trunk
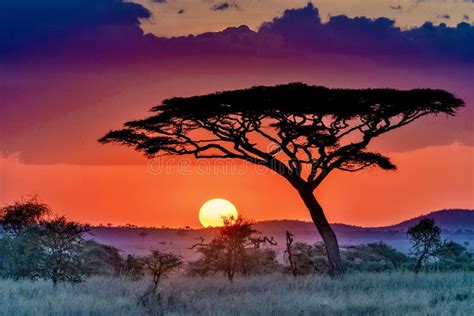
[(325, 230), (419, 263)]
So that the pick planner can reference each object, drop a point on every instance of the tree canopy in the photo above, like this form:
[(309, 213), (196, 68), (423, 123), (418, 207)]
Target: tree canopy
[(285, 127)]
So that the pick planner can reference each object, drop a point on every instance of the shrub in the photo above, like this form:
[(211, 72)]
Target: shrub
[(373, 257), (307, 259), (98, 259)]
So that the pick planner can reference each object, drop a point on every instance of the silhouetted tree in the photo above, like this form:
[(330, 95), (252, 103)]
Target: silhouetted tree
[(231, 250), (20, 251), (61, 241), (289, 256), (21, 216), (299, 131), (426, 239), (158, 264)]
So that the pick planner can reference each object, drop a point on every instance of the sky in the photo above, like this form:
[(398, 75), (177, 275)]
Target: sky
[(71, 71)]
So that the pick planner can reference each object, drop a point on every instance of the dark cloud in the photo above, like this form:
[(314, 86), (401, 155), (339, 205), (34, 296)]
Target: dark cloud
[(466, 17), (104, 30), (380, 38), (88, 51), (223, 6), (443, 16), (32, 25)]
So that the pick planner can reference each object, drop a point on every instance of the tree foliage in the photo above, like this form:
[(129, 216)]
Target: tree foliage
[(452, 256), (99, 259), (159, 264), (374, 257), (236, 249), (21, 216), (426, 239), (308, 125), (61, 241), (35, 246)]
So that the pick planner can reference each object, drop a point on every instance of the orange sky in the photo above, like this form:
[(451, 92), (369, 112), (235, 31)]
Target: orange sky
[(427, 180), (80, 75)]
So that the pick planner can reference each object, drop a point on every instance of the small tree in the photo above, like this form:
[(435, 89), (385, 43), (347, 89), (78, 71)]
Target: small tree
[(158, 264), (21, 216), (301, 132), (229, 252), (20, 251), (62, 243), (426, 239)]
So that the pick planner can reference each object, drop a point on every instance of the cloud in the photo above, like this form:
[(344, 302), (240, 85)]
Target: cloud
[(443, 16), (30, 25), (396, 7), (380, 38), (85, 66), (223, 6)]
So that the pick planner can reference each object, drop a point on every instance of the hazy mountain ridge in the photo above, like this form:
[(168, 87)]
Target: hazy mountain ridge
[(450, 220), (457, 225)]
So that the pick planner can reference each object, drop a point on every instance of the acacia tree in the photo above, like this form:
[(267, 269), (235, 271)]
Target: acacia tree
[(159, 264), (301, 132), (426, 239), (62, 243), (21, 216)]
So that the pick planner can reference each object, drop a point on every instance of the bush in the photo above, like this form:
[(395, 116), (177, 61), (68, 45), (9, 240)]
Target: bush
[(452, 256), (98, 259), (307, 259), (373, 257)]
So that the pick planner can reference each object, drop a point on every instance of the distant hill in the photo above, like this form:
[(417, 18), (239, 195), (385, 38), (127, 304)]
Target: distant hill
[(449, 220), (457, 225)]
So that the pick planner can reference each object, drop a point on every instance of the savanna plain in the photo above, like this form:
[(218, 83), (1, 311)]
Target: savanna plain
[(387, 293)]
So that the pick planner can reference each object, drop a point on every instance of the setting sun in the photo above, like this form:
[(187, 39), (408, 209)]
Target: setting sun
[(213, 211)]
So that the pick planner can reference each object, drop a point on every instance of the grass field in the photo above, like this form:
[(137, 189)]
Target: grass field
[(400, 293)]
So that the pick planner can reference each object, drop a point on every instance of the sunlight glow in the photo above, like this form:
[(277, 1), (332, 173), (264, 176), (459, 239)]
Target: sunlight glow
[(212, 212)]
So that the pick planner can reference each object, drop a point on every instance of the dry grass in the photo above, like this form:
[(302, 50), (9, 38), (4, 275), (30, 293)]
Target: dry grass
[(400, 293)]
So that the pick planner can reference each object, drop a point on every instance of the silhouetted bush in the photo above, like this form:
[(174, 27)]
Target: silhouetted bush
[(98, 259), (20, 255), (34, 246), (373, 257), (452, 256), (307, 259), (235, 250), (133, 267)]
